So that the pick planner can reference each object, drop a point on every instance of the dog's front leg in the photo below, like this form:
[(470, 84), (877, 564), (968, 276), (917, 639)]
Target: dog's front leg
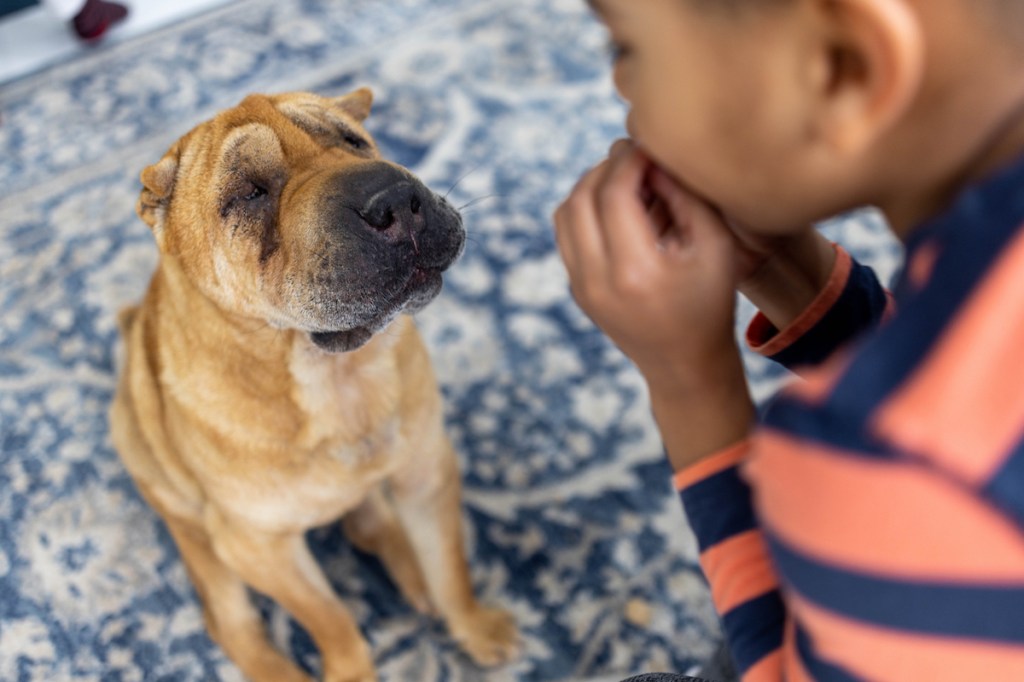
[(280, 566), (428, 496)]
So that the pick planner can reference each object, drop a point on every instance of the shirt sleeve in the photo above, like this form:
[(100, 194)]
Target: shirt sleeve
[(852, 302), (733, 555)]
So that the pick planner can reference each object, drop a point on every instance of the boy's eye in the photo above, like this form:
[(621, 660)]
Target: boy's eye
[(616, 50)]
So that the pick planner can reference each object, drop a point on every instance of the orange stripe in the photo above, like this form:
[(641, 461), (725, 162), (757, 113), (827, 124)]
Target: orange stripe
[(738, 570), (711, 465), (964, 407), (882, 654), (895, 518), (809, 317), (921, 266), (794, 670), (768, 669)]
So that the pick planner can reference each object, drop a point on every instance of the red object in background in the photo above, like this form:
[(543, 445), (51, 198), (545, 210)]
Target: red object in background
[(96, 17)]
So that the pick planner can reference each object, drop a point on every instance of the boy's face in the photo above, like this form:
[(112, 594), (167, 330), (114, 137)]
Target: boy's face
[(705, 102)]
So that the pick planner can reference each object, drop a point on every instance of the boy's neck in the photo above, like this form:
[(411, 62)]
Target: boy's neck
[(1001, 143)]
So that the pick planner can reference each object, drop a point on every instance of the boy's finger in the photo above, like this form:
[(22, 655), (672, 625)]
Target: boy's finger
[(626, 224), (620, 146), (577, 232), (700, 219), (562, 241)]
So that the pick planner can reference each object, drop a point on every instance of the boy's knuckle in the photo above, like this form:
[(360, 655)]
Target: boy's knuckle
[(576, 204), (612, 196), (558, 217), (629, 281), (580, 294)]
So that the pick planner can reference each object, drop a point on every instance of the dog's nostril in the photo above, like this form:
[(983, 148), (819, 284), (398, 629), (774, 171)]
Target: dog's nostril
[(393, 206), (379, 220)]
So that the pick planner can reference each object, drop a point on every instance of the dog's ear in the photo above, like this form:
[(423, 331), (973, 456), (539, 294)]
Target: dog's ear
[(356, 103), (157, 186)]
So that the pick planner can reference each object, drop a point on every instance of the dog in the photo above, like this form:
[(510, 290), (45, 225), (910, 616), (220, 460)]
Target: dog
[(274, 381)]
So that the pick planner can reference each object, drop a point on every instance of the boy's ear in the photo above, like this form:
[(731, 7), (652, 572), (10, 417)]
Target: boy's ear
[(158, 183), (867, 71)]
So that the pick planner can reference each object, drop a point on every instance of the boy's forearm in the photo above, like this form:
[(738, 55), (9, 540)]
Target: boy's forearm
[(702, 417), (786, 284)]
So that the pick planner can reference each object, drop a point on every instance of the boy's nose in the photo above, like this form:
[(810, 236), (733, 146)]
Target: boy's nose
[(631, 126)]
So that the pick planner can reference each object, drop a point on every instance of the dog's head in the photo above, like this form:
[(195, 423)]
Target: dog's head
[(282, 209)]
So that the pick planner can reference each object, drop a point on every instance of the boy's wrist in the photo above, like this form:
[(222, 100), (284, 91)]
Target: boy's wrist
[(701, 414), (788, 282)]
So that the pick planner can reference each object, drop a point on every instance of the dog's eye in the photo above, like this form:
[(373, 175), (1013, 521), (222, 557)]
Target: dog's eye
[(255, 192), (354, 141)]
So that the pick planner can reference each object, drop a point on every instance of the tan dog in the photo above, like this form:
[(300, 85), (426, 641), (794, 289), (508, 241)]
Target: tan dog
[(273, 383)]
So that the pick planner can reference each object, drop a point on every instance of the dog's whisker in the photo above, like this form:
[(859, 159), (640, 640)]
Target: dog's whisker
[(463, 177), (478, 200)]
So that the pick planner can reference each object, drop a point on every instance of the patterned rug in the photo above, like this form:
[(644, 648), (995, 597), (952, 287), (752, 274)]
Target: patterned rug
[(571, 520)]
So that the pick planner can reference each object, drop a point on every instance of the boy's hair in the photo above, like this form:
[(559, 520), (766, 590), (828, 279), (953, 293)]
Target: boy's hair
[(734, 9), (1005, 17)]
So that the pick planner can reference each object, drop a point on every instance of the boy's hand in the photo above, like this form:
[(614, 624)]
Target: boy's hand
[(653, 266)]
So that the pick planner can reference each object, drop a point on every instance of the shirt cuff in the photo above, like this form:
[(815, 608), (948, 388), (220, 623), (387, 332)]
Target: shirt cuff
[(707, 467), (762, 336)]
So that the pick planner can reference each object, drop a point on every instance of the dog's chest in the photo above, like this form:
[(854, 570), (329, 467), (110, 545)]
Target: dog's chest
[(349, 403), (349, 440)]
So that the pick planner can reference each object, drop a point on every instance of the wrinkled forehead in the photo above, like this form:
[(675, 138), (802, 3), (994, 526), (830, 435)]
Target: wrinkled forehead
[(318, 117), (264, 132)]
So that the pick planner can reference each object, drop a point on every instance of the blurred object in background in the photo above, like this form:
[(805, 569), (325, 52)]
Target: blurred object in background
[(89, 19), (34, 35)]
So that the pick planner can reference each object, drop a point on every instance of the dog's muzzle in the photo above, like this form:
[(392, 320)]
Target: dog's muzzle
[(387, 239)]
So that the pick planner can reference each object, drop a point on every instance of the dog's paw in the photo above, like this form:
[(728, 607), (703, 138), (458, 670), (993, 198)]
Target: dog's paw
[(359, 674), (357, 677), (351, 663), (488, 635)]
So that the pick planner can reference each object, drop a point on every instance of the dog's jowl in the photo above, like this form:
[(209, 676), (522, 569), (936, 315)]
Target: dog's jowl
[(274, 381)]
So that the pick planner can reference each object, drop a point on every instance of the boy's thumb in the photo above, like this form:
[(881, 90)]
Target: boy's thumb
[(689, 212)]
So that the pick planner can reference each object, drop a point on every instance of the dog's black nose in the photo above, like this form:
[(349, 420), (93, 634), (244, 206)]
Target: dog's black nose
[(387, 211), (386, 198), (400, 204)]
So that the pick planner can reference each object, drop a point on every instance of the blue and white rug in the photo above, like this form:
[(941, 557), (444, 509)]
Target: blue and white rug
[(572, 523)]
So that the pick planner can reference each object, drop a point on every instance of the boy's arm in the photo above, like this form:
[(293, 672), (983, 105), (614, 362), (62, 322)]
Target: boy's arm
[(734, 558), (783, 276), (812, 298)]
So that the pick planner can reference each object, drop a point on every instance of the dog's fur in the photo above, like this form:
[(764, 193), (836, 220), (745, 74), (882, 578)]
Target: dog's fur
[(273, 382)]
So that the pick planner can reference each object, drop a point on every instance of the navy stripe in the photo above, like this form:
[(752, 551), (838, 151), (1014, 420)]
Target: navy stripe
[(985, 612), (755, 629), (817, 668), (970, 237), (1006, 488), (718, 507), (858, 309), (826, 425)]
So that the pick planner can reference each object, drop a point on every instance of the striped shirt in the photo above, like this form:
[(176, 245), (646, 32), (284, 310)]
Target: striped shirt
[(872, 528)]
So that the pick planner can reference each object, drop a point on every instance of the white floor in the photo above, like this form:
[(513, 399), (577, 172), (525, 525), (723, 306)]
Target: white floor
[(33, 39)]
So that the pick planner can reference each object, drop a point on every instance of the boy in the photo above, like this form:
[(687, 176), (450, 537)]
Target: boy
[(872, 525)]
